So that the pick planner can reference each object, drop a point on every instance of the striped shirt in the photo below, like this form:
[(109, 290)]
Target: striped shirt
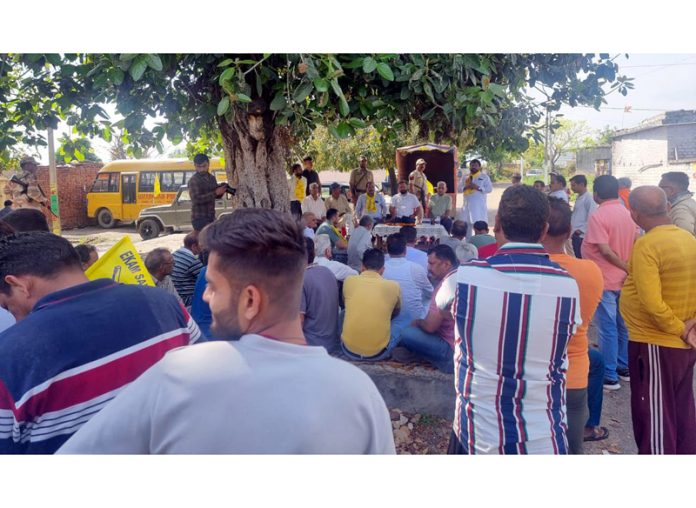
[(76, 350), (514, 315), (187, 266)]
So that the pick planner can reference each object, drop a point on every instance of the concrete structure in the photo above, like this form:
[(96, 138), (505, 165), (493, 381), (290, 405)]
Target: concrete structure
[(595, 160), (666, 142)]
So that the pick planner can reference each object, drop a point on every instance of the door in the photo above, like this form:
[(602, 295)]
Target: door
[(129, 197)]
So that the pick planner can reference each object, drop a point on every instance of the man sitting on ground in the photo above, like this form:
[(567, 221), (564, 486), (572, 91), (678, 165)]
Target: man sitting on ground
[(412, 278), (187, 266), (458, 243), (309, 224), (360, 241), (330, 227), (7, 208), (88, 255), (371, 304), (319, 308), (481, 236), (539, 185), (27, 219), (322, 248), (160, 263), (262, 390), (412, 253), (432, 338), (76, 343)]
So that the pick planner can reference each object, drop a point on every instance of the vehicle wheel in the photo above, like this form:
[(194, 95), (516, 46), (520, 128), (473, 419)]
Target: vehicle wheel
[(105, 219), (149, 229)]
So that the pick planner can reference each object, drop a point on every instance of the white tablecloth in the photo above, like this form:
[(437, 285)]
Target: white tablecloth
[(429, 230)]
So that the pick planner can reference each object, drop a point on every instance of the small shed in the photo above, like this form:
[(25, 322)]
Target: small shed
[(441, 164)]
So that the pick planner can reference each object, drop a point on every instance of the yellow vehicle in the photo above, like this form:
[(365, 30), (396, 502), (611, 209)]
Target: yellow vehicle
[(124, 187)]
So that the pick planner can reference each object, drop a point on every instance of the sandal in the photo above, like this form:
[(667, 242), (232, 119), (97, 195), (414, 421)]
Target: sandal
[(598, 434)]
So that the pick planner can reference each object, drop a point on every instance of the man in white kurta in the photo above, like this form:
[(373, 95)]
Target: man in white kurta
[(475, 188)]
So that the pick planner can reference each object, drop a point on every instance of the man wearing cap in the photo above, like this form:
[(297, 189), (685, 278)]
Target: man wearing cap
[(29, 195), (419, 180), (204, 190), (339, 201), (359, 178), (476, 186)]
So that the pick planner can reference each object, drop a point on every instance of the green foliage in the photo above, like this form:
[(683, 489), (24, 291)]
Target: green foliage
[(74, 150), (476, 98)]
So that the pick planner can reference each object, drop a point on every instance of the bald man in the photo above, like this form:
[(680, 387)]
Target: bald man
[(658, 304)]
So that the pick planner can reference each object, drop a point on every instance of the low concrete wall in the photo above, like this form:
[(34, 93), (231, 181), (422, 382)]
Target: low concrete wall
[(413, 389)]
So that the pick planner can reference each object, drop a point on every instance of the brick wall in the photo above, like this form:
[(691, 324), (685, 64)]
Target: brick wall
[(74, 183)]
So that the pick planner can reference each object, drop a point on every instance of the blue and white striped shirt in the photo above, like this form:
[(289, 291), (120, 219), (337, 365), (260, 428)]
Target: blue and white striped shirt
[(515, 313)]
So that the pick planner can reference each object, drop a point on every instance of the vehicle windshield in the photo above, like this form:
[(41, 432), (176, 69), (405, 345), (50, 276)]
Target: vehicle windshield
[(184, 196)]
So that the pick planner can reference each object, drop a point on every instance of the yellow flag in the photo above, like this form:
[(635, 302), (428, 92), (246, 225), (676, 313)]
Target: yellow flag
[(431, 189), (158, 191), (121, 263)]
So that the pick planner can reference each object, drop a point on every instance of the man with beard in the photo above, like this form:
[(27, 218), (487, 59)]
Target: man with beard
[(405, 207), (476, 186), (260, 390)]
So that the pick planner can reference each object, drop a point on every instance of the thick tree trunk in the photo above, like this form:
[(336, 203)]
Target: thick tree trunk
[(255, 154)]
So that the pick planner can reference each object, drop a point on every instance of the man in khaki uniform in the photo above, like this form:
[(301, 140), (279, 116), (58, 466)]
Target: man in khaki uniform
[(358, 180), (419, 181), (31, 196), (339, 201)]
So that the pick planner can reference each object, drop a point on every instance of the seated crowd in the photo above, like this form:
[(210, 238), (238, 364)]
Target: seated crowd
[(506, 314)]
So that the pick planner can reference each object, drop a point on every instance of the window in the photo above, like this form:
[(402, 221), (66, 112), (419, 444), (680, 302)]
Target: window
[(106, 182), (170, 181), (147, 181)]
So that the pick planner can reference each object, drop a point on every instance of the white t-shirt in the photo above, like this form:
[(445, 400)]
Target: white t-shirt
[(252, 396), (405, 204)]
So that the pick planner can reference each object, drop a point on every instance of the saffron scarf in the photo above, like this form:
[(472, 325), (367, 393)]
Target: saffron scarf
[(370, 205), (470, 179), (338, 232), (299, 189)]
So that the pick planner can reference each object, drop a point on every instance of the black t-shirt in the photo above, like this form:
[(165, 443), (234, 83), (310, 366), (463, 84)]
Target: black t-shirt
[(312, 177)]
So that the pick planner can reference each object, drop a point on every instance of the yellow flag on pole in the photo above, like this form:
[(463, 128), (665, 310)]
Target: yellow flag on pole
[(121, 263), (157, 189)]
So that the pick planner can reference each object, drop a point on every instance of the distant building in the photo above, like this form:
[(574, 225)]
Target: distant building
[(595, 160), (666, 142)]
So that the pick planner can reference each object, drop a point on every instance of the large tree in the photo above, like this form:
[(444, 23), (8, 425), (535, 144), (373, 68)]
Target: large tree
[(257, 106)]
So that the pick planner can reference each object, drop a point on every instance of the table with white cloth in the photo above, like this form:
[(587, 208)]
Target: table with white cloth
[(430, 231)]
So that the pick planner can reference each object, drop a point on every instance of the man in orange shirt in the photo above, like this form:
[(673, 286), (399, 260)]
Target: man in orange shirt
[(624, 190), (590, 283)]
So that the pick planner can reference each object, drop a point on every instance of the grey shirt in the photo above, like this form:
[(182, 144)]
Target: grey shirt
[(320, 307), (359, 242), (584, 205)]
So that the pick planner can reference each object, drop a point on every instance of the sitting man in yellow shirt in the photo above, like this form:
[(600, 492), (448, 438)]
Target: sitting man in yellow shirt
[(371, 303)]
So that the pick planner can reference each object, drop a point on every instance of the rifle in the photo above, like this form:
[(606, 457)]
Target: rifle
[(16, 180)]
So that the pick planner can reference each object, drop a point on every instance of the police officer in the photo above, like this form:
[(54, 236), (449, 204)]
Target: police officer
[(28, 195)]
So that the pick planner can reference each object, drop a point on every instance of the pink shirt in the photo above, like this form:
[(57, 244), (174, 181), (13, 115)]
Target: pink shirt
[(610, 223)]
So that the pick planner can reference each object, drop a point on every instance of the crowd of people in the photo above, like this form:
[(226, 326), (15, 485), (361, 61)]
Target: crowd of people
[(249, 342)]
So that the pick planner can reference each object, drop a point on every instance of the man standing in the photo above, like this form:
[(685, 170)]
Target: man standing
[(441, 206), (203, 190), (659, 305), (608, 242), (319, 307), (683, 209), (262, 390), (405, 207), (516, 179), (371, 303), (77, 343), (420, 181), (313, 203), (358, 180), (160, 263), (590, 283), (515, 313), (371, 204), (296, 185), (30, 194), (359, 242), (310, 173), (557, 185), (584, 205), (476, 186), (187, 266), (412, 278), (432, 338), (625, 190)]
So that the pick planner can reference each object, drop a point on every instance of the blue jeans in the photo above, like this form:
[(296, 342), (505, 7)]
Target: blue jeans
[(595, 387), (393, 342), (429, 346), (613, 336)]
